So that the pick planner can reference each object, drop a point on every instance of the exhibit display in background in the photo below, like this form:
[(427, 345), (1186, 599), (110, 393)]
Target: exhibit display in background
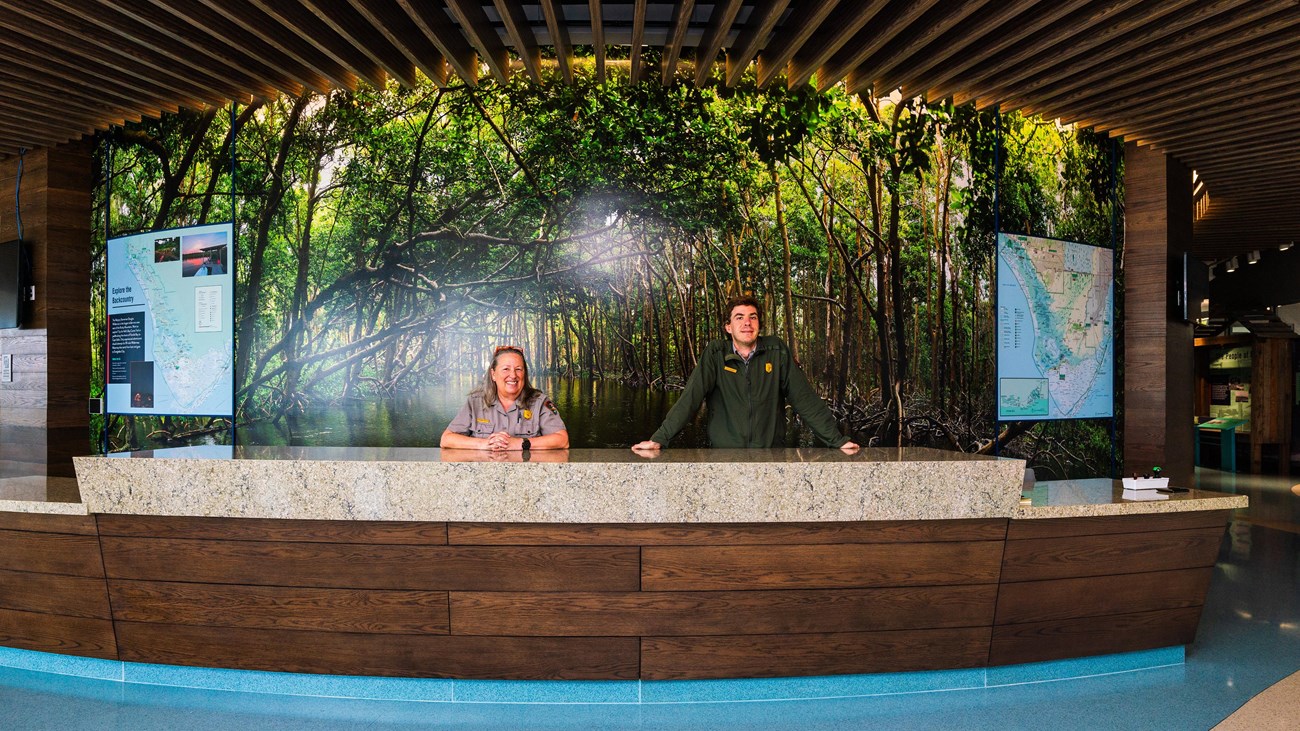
[(1055, 329), (170, 309), (1230, 385)]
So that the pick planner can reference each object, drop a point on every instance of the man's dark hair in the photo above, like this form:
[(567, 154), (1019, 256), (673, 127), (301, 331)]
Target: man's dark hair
[(741, 301)]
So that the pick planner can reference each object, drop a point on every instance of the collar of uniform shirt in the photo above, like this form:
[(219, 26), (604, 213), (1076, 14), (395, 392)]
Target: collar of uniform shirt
[(744, 357)]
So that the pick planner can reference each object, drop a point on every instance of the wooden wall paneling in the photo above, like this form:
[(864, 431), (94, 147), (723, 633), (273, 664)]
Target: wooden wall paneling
[(1158, 388), (280, 607), (50, 553), (1102, 525), (682, 568), (1094, 596), (1060, 639), (83, 525), (420, 656), (73, 596), (369, 566), (50, 387), (679, 613), (687, 534), (84, 636), (1125, 553), (764, 656), (265, 529), (1272, 387)]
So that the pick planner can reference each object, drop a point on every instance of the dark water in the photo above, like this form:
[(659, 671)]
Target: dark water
[(598, 414)]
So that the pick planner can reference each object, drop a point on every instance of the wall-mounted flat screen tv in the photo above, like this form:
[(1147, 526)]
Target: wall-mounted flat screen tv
[(12, 278)]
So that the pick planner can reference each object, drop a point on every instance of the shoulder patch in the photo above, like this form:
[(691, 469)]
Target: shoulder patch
[(550, 406)]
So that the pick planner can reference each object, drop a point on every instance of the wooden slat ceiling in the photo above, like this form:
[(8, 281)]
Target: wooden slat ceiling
[(1215, 83)]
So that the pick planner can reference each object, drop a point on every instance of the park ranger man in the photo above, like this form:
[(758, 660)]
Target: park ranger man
[(747, 380)]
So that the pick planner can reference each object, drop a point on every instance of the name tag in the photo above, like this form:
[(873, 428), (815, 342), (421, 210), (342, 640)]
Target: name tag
[(483, 421), (730, 369)]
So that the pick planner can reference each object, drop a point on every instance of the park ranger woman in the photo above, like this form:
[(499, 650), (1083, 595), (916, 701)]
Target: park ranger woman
[(506, 413)]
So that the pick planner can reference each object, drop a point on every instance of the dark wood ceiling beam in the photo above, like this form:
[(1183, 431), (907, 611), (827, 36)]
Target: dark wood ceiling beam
[(1031, 48), (673, 49), (1221, 59), (53, 23), (1220, 115), (1178, 36), (186, 52), (445, 36), (720, 23), (66, 111), (762, 19), (912, 39), (839, 29), (803, 22), (45, 45), (956, 42), (1075, 52), (558, 27), (403, 35), (220, 21), (1222, 159), (869, 42), (46, 123), (55, 96), (1155, 119), (979, 51), (1214, 134), (638, 40), (478, 29), (365, 36), (296, 22), (521, 36), (597, 38), (57, 73)]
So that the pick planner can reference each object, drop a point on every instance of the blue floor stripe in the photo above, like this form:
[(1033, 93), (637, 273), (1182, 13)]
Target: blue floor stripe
[(585, 692)]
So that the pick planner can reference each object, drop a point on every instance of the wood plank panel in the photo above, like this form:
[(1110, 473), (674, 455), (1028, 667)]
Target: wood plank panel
[(82, 636), (677, 613), (673, 568), (280, 607), (360, 566), (686, 534), (1059, 639), (266, 529), (48, 523), (1124, 553), (765, 656), (50, 553), (1036, 601), (1061, 527), (75, 596), (418, 656)]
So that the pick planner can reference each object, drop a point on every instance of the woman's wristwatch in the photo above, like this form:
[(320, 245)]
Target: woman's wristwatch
[(527, 444)]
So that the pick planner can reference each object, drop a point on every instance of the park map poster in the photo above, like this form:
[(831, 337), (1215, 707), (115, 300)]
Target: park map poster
[(170, 309), (1055, 330)]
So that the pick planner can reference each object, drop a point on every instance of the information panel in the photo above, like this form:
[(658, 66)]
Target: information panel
[(171, 315), (1055, 329)]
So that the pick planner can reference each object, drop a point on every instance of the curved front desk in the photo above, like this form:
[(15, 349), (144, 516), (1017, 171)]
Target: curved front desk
[(600, 564)]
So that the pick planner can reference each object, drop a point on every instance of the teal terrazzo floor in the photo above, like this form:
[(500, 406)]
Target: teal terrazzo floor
[(1249, 639)]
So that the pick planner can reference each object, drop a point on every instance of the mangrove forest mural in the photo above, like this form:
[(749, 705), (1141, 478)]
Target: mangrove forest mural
[(388, 238)]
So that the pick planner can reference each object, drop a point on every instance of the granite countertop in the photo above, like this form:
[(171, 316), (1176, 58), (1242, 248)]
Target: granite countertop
[(555, 486), (1104, 496)]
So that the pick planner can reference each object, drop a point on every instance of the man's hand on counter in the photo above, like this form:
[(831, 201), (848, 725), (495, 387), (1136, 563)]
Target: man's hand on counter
[(849, 447), (648, 448)]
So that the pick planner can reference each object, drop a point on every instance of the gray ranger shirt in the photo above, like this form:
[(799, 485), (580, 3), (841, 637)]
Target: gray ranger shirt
[(532, 419)]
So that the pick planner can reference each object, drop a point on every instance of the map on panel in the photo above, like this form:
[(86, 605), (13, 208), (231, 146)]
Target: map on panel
[(1055, 329), (170, 316)]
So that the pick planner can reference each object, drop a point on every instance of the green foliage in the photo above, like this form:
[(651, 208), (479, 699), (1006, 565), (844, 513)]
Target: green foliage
[(397, 232)]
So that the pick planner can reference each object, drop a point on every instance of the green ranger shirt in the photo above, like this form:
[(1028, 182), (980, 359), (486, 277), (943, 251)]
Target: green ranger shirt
[(747, 400)]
